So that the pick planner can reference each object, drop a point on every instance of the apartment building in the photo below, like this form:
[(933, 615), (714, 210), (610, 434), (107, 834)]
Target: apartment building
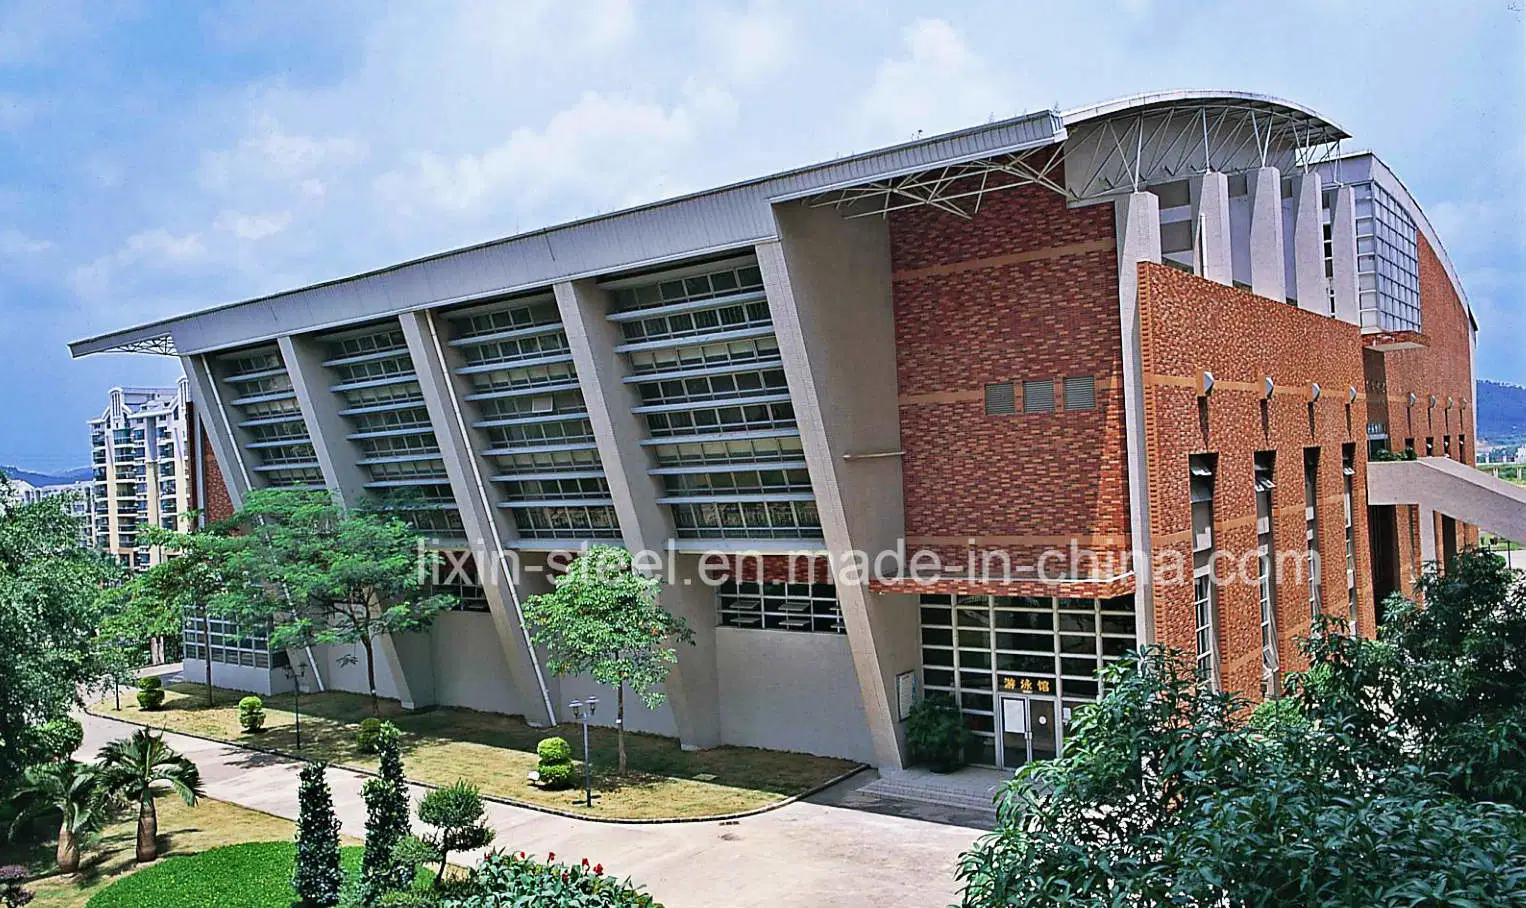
[(140, 451), (1073, 382)]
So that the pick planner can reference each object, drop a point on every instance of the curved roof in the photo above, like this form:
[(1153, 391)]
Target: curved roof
[(1321, 129)]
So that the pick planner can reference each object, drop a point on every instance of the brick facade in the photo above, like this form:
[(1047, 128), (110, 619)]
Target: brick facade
[(1438, 362), (1189, 326), (210, 483), (1027, 289)]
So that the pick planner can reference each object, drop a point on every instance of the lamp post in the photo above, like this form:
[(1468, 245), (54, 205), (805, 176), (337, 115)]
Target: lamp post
[(582, 711), (296, 673)]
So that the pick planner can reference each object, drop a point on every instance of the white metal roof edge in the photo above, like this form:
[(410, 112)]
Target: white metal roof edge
[(1146, 99)]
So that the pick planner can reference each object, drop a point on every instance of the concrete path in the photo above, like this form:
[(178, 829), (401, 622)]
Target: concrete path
[(841, 848)]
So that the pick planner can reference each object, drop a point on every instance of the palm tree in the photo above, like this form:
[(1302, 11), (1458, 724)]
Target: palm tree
[(133, 768), (74, 790)]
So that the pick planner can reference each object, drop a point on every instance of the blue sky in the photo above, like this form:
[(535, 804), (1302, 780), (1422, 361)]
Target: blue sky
[(162, 157)]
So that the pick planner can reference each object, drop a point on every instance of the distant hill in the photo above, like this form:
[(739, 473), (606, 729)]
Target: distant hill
[(47, 479), (1501, 412)]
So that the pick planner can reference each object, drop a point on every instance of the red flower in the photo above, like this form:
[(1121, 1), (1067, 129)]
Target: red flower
[(585, 862), (550, 855), (598, 868)]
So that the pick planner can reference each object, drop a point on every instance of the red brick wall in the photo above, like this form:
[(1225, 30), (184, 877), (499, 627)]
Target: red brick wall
[(1442, 367), (1188, 326), (218, 504), (1027, 289)]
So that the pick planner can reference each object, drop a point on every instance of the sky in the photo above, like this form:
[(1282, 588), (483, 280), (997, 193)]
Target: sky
[(157, 158)]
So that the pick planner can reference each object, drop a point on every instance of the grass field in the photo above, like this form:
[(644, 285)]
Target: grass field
[(182, 831), (497, 752)]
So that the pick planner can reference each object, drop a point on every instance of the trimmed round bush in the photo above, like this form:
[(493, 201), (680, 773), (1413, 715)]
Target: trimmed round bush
[(150, 692), (553, 750), (251, 714), (60, 738), (368, 735), (557, 776)]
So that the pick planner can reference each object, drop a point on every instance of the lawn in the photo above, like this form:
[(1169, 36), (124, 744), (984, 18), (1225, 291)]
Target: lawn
[(182, 831), (251, 875), (496, 753)]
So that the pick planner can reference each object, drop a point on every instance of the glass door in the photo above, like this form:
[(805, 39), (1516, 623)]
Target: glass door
[(1012, 744), (1043, 733), (1028, 730)]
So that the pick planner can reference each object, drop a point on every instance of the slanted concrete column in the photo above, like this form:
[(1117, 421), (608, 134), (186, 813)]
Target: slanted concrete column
[(1309, 244), (320, 409), (829, 292), (337, 459), (693, 686), (468, 486), (1343, 256), (643, 522), (1210, 212), (1137, 224), (218, 421), (1268, 259)]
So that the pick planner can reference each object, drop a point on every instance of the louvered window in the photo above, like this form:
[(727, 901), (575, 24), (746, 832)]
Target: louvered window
[(1000, 400), (1038, 396), (1080, 393)]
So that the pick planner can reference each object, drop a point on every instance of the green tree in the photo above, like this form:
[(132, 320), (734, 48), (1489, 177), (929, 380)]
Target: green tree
[(460, 822), (1458, 675), (74, 791), (50, 607), (323, 574), (603, 619), (386, 823), (185, 586), (1167, 795), (134, 768)]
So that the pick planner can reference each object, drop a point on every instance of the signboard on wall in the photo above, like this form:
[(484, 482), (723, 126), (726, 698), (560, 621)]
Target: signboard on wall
[(905, 694)]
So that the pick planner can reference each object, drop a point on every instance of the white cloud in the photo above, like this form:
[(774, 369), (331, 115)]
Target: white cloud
[(747, 44), (16, 245), (253, 226), (156, 249), (936, 85), (602, 149), (271, 155)]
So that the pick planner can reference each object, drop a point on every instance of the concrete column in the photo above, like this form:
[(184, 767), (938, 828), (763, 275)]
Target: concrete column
[(1309, 244), (1268, 260), (1427, 535), (1136, 220), (484, 532), (1343, 256), (829, 292), (645, 525), (220, 430), (1210, 212), (320, 410)]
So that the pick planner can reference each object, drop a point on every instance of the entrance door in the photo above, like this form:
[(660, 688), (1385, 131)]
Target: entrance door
[(1027, 730)]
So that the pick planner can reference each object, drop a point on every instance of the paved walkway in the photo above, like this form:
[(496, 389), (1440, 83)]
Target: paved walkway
[(843, 847)]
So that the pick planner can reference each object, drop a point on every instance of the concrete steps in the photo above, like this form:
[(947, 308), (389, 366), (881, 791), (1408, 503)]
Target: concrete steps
[(971, 788)]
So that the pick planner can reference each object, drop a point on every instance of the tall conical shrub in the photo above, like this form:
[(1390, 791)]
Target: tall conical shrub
[(317, 876), (386, 823)]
